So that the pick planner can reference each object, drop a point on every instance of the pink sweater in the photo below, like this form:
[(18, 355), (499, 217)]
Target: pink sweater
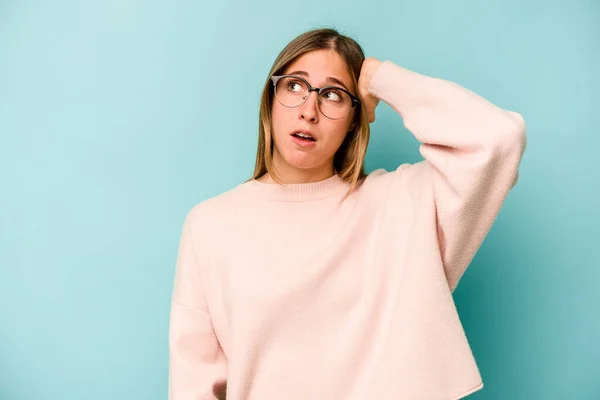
[(286, 293)]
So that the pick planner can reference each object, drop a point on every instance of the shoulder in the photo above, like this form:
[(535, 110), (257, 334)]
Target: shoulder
[(406, 178), (208, 212), (400, 194)]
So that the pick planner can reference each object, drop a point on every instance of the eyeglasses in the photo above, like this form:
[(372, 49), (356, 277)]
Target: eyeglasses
[(292, 91)]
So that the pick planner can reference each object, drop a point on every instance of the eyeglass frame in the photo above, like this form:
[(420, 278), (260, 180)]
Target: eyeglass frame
[(276, 78)]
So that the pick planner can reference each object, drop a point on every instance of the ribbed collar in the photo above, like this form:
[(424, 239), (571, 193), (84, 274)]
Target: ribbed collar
[(329, 187)]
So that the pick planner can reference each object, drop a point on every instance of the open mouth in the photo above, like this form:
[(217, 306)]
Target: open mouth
[(304, 137)]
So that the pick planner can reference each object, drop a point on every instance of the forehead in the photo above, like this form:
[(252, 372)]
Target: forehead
[(321, 64)]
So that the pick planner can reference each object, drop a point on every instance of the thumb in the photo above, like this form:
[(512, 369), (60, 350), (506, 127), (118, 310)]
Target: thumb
[(371, 106), (372, 115)]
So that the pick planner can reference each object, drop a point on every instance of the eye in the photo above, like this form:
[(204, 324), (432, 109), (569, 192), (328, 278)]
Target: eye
[(295, 86), (333, 95)]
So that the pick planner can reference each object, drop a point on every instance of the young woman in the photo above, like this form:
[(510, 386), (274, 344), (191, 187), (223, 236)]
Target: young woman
[(315, 281)]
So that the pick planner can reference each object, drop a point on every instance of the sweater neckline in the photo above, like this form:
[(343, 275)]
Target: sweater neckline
[(329, 187)]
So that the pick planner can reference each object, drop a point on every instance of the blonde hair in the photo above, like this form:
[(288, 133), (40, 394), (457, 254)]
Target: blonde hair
[(349, 158)]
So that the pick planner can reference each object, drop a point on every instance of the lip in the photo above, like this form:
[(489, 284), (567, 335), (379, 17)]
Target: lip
[(303, 143), (306, 132)]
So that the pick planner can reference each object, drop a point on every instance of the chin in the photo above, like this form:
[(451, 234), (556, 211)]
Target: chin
[(302, 160), (302, 164)]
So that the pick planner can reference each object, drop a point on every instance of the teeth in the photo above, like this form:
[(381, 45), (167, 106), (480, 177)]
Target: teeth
[(304, 135)]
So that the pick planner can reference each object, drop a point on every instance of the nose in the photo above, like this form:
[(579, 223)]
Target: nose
[(310, 109)]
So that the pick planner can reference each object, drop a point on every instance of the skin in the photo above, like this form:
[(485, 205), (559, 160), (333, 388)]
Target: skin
[(297, 164)]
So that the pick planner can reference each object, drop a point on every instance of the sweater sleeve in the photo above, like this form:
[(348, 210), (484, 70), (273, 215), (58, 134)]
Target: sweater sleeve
[(197, 364), (471, 148)]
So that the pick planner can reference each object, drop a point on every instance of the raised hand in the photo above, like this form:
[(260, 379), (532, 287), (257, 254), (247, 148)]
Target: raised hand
[(369, 66)]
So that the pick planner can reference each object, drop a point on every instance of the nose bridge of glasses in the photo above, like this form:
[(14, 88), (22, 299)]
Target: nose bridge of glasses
[(308, 92)]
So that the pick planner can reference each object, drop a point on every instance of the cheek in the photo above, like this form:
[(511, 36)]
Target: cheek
[(337, 133), (280, 121)]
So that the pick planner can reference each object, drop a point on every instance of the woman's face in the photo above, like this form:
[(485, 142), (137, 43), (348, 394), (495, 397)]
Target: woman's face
[(320, 68)]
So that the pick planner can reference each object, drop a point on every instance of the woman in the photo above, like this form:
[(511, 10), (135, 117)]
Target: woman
[(314, 281)]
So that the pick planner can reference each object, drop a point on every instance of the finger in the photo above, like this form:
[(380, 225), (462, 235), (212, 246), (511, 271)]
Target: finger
[(371, 116)]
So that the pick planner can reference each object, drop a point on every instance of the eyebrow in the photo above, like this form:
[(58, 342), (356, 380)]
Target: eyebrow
[(329, 79)]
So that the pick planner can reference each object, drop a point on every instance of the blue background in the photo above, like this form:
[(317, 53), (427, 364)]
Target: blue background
[(117, 117)]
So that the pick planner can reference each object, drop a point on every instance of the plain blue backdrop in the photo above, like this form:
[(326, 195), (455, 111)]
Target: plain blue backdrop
[(117, 117)]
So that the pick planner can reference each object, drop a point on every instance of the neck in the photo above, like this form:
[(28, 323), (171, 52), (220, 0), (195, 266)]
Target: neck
[(291, 175), (332, 187)]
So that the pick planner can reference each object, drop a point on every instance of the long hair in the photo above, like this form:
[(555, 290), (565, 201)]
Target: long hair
[(349, 158)]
